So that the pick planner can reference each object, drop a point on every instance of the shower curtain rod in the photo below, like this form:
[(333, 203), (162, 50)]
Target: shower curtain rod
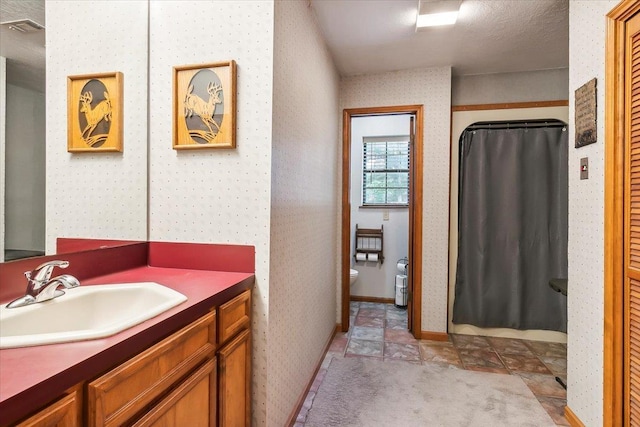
[(518, 124)]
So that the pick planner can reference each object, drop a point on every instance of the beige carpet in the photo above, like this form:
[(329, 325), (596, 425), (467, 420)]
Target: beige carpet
[(368, 393)]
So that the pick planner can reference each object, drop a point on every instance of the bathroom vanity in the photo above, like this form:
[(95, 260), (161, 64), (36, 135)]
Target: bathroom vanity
[(190, 365)]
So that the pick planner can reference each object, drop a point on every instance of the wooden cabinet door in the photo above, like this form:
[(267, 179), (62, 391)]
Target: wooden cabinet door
[(122, 393), (192, 403), (234, 382), (66, 412)]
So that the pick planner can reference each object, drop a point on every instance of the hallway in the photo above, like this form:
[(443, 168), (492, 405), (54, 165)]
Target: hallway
[(379, 332)]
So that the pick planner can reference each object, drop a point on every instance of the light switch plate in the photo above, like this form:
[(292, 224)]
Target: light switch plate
[(385, 215), (584, 168)]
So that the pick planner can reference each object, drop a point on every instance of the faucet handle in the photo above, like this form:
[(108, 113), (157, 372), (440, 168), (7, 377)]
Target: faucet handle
[(54, 263), (42, 273)]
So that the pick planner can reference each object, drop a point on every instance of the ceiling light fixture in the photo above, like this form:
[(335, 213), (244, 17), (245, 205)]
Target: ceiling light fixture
[(436, 19), (433, 13), (23, 25), (16, 28)]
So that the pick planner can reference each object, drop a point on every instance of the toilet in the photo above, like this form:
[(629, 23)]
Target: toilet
[(353, 276)]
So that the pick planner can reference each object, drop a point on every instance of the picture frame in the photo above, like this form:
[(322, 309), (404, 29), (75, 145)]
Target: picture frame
[(94, 112), (204, 106), (586, 112)]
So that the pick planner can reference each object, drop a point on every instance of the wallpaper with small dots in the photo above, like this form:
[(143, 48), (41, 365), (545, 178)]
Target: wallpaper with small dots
[(432, 88), (99, 195), (587, 29), (217, 196), (304, 202)]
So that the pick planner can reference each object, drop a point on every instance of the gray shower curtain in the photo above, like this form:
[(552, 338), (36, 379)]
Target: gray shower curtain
[(512, 234)]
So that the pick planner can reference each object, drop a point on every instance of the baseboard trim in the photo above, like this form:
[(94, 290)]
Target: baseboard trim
[(572, 418), (372, 299), (294, 415), (434, 336)]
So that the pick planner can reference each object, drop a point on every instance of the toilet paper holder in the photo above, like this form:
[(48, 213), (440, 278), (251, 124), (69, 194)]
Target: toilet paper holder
[(402, 264), (369, 244)]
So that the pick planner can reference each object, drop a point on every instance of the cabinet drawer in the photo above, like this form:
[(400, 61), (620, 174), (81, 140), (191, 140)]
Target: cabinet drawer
[(119, 395), (234, 316), (65, 412)]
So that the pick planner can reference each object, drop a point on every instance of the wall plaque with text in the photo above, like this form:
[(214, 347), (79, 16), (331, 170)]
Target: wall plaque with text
[(585, 111)]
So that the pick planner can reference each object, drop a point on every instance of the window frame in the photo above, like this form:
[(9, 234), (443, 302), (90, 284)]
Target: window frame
[(386, 171)]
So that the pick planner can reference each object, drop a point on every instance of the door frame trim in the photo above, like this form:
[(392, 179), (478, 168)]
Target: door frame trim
[(615, 160), (415, 206)]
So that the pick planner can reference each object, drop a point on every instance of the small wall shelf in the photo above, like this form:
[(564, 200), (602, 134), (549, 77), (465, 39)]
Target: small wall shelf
[(369, 244)]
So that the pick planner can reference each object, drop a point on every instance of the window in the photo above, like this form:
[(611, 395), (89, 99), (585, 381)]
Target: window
[(385, 171)]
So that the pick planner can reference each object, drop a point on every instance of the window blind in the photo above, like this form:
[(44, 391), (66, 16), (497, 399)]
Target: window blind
[(385, 171)]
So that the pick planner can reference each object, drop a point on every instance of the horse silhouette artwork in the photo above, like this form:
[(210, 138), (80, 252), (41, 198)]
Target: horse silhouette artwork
[(193, 104), (93, 116)]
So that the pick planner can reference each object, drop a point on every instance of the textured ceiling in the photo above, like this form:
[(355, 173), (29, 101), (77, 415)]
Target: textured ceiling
[(25, 52), (491, 36), (372, 36)]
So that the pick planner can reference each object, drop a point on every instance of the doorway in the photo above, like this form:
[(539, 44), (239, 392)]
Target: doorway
[(414, 266), (463, 116)]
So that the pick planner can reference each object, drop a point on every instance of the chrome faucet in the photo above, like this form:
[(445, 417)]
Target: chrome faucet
[(41, 287)]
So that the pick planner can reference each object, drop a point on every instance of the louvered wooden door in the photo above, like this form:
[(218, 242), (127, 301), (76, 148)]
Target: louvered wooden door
[(631, 346)]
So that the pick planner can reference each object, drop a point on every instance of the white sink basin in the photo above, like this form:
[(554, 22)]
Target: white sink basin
[(85, 313)]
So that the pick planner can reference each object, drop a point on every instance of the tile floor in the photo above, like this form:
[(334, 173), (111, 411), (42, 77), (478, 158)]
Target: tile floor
[(380, 331)]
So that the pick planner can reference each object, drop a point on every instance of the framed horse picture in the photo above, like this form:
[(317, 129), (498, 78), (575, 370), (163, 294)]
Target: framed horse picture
[(204, 106), (94, 112)]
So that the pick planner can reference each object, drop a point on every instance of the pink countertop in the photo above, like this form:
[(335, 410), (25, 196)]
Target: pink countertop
[(31, 377)]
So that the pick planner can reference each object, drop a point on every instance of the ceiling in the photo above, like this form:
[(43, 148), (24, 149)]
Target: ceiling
[(25, 52), (490, 36), (372, 36)]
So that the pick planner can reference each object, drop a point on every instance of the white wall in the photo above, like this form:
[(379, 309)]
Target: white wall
[(3, 100), (304, 201), (220, 196), (375, 279), (101, 195), (460, 120), (587, 30), (527, 86), (432, 88), (25, 169)]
